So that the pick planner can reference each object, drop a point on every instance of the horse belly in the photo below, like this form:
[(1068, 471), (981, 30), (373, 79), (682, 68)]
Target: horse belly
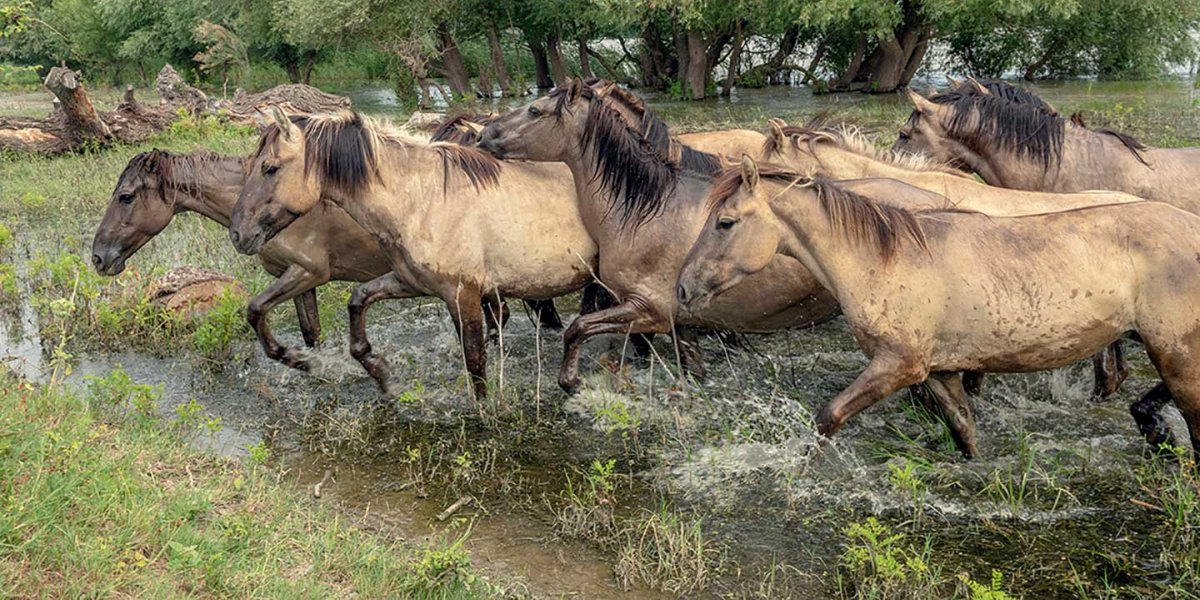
[(1030, 333)]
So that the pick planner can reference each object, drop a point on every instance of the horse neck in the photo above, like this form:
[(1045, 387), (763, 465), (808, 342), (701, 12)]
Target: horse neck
[(590, 195), (407, 176), (809, 237), (210, 190), (840, 163)]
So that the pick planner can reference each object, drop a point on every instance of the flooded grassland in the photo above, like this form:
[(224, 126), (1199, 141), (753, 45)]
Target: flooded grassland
[(644, 481)]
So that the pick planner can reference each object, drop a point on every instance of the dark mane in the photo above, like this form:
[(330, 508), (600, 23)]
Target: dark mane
[(1012, 93), (173, 169), (979, 120), (343, 151), (1131, 143), (637, 163), (858, 218), (456, 131)]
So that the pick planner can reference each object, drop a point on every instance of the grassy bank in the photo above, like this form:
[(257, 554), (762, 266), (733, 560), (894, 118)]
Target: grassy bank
[(102, 498)]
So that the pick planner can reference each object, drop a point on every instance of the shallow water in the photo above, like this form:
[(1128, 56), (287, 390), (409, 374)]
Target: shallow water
[(737, 450)]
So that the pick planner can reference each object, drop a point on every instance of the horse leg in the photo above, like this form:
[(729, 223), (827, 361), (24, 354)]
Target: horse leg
[(885, 374), (626, 317), (947, 390), (688, 346), (309, 316), (972, 382), (596, 298), (466, 309), (1111, 369), (1147, 412), (294, 281), (545, 314), (495, 316), (1186, 392), (380, 288)]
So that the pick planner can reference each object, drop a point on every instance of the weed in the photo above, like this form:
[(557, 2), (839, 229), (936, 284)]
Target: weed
[(221, 326), (881, 564), (258, 454), (585, 510), (668, 551), (991, 590), (909, 478), (119, 390)]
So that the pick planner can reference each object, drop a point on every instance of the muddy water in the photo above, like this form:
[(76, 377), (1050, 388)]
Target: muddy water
[(737, 451)]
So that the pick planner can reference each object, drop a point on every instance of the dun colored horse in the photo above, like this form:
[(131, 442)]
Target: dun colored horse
[(643, 207), (323, 246), (453, 221), (996, 294), (844, 153), (1017, 145)]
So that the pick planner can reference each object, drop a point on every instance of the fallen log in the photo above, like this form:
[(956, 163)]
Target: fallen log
[(74, 123)]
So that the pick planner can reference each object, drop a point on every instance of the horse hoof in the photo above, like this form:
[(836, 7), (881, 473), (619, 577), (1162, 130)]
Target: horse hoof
[(570, 385)]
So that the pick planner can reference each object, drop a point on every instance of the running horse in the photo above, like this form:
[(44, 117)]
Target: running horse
[(997, 294)]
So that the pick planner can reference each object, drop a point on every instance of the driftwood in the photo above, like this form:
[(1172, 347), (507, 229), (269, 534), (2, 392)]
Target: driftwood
[(75, 124)]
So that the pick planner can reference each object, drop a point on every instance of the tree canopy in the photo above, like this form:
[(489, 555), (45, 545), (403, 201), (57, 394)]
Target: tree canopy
[(694, 48)]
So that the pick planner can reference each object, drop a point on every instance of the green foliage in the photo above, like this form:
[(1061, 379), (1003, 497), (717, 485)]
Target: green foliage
[(97, 506), (991, 590), (221, 326), (881, 564)]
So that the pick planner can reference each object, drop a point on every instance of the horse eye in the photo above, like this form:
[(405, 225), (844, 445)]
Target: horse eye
[(533, 110), (269, 169), (726, 223), (125, 198), (903, 136)]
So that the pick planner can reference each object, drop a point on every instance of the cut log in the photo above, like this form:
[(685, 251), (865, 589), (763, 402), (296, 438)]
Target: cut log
[(81, 117), (173, 90)]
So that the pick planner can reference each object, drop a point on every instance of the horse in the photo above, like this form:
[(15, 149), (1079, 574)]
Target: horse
[(1016, 145), (323, 246), (844, 153), (642, 206), (1019, 145), (996, 294), (453, 221)]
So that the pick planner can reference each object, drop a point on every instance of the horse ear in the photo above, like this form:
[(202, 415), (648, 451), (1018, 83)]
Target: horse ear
[(574, 89), (777, 133), (921, 103), (281, 120), (977, 87), (607, 89), (152, 160), (953, 83), (749, 173)]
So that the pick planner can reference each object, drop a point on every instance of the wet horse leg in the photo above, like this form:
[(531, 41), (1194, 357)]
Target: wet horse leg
[(381, 288), (947, 390), (1148, 413), (886, 373), (495, 316), (465, 304), (294, 281), (626, 317), (688, 346), (1110, 369), (309, 316), (596, 298), (545, 314)]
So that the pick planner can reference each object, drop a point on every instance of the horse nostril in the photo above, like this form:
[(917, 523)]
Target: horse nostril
[(96, 260), (233, 235), (682, 293)]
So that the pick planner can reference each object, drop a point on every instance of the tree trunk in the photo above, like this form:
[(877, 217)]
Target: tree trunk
[(585, 60), (915, 58), (787, 45), (541, 67), (696, 74), (735, 57), (652, 58), (453, 67), (293, 71), (558, 69), (818, 55), (502, 76), (856, 61), (613, 73), (310, 63), (76, 106)]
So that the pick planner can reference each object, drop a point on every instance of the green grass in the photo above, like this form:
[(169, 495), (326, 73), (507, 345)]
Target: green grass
[(101, 498)]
